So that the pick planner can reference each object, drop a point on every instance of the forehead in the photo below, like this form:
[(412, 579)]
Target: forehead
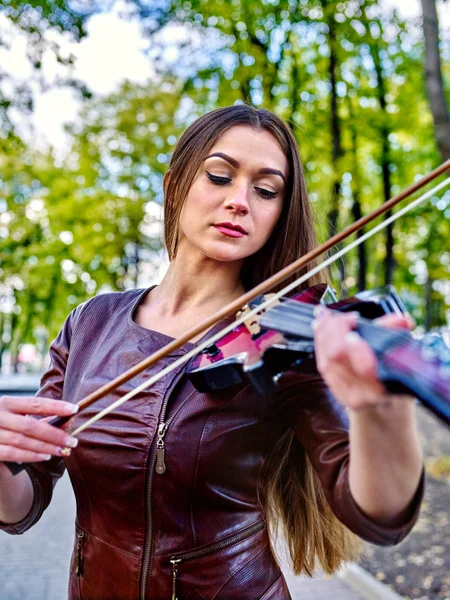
[(251, 147)]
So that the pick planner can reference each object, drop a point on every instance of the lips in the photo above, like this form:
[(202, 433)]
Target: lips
[(231, 230)]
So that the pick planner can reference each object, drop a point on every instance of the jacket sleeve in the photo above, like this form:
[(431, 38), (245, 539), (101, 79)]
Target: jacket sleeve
[(321, 425), (45, 475)]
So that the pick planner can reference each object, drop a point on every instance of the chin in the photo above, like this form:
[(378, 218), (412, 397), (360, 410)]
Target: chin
[(224, 254)]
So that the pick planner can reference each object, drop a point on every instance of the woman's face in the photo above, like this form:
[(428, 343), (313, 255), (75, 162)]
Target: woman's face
[(236, 197)]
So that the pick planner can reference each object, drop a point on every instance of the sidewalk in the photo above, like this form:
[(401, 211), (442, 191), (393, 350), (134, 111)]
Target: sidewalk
[(35, 566)]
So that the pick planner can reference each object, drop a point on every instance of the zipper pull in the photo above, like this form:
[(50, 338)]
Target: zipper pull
[(79, 558), (160, 452), (174, 562)]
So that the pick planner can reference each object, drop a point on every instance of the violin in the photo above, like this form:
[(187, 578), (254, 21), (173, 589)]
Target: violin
[(280, 339)]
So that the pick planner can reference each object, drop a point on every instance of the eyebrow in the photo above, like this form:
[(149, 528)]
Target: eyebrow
[(233, 162)]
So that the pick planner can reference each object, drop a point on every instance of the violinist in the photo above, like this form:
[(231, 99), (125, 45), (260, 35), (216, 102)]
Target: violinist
[(328, 458)]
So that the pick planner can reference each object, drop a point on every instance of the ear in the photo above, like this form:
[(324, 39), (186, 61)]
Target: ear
[(166, 181)]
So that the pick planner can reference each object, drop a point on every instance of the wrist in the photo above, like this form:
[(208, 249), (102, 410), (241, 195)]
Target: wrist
[(388, 407)]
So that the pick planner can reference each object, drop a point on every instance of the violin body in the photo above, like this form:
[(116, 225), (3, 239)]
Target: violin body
[(281, 339), (260, 358)]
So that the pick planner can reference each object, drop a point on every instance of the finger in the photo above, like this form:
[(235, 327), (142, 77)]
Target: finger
[(37, 405), (11, 454), (341, 381), (37, 429), (329, 334), (361, 356), (351, 372), (23, 442), (364, 364), (321, 311), (395, 321)]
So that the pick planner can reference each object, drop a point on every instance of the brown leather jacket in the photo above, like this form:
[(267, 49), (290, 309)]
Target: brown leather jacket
[(189, 518)]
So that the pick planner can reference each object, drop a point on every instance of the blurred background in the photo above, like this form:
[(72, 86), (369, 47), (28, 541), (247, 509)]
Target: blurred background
[(93, 96)]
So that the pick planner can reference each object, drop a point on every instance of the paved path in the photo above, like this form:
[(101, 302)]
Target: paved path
[(34, 566)]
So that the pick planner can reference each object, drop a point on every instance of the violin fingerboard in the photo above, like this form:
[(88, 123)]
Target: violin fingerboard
[(290, 319)]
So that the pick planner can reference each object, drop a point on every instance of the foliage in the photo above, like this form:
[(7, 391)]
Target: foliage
[(74, 228)]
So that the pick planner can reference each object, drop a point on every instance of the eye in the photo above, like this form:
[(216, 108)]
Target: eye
[(217, 180), (265, 193)]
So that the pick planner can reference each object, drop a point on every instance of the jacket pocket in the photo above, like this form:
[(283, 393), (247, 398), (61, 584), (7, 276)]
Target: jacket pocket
[(77, 565), (180, 558), (79, 553)]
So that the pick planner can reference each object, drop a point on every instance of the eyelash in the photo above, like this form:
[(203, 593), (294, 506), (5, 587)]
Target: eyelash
[(216, 180)]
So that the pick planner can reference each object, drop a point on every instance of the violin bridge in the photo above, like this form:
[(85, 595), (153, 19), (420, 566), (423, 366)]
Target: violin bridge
[(252, 323)]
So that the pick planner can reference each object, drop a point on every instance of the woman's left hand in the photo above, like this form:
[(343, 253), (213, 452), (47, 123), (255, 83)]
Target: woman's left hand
[(346, 362)]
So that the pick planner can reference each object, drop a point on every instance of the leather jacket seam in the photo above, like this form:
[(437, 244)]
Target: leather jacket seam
[(236, 571), (191, 512), (199, 595), (90, 534), (80, 474), (197, 460), (272, 586), (102, 323)]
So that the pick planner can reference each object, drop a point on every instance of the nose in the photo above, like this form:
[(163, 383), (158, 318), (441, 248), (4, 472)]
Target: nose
[(238, 201)]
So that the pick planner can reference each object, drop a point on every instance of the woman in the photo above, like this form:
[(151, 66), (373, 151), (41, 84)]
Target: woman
[(193, 525)]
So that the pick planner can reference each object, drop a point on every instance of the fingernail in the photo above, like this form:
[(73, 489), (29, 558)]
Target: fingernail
[(71, 442), (75, 408), (46, 456), (314, 325), (411, 320), (353, 337)]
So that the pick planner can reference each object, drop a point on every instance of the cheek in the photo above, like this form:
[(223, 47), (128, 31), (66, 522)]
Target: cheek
[(187, 215), (267, 217), (196, 210)]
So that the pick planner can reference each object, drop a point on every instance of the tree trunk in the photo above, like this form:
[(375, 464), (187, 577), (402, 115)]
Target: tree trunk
[(428, 303), (137, 263), (356, 208), (336, 141), (433, 78), (385, 161), (2, 344), (295, 96)]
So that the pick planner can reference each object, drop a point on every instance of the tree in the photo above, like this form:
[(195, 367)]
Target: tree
[(42, 25), (434, 79)]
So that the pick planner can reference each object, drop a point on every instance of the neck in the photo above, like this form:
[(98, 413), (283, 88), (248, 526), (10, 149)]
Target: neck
[(197, 284)]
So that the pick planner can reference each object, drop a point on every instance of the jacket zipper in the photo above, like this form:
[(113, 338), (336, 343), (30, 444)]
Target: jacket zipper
[(79, 556), (177, 559), (159, 451), (160, 467)]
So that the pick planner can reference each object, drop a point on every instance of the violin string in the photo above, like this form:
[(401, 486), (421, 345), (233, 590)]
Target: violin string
[(265, 305), (302, 316), (302, 311), (401, 336)]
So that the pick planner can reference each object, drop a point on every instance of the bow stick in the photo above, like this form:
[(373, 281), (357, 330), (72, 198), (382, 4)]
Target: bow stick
[(263, 287)]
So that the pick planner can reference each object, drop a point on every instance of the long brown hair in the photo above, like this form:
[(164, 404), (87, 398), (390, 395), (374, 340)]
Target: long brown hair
[(290, 489)]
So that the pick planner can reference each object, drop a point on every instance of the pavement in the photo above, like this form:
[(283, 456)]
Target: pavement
[(35, 566)]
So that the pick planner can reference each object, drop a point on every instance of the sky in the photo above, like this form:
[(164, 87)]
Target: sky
[(103, 63)]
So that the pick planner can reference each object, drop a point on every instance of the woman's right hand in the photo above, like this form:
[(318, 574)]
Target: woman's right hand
[(24, 438)]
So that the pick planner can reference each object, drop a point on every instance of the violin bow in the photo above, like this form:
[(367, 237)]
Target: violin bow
[(258, 290)]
